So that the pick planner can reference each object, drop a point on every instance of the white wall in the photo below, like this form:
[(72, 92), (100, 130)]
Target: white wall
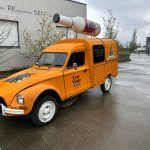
[(27, 12)]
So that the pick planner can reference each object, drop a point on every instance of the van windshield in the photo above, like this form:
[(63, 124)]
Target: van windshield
[(52, 59)]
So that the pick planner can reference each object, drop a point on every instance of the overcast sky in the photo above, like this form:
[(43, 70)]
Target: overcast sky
[(130, 14)]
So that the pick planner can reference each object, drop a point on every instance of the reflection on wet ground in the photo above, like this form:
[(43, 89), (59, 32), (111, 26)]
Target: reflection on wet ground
[(115, 121)]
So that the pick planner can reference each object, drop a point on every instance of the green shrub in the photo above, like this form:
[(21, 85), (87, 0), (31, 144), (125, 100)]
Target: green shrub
[(124, 55)]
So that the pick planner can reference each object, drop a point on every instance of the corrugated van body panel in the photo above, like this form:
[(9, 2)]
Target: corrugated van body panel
[(111, 68), (99, 74)]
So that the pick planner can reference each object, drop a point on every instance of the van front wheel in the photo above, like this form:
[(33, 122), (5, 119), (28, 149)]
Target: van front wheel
[(44, 111), (105, 87)]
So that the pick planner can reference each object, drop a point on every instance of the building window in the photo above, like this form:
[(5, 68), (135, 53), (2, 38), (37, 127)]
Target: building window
[(9, 36), (98, 54), (68, 32)]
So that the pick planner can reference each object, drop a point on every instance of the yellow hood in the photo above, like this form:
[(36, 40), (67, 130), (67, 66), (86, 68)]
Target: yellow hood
[(17, 82)]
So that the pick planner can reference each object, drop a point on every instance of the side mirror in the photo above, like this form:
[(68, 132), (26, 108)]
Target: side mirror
[(75, 66)]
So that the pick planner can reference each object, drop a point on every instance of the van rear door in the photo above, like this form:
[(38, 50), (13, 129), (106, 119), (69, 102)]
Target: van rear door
[(98, 64)]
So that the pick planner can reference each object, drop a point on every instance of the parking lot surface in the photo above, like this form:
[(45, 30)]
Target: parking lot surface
[(119, 120)]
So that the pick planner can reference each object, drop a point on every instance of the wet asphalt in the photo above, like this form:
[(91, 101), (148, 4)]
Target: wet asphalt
[(119, 120)]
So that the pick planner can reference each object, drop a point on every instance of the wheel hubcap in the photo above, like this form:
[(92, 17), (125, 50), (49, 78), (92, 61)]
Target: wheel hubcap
[(47, 111), (107, 84)]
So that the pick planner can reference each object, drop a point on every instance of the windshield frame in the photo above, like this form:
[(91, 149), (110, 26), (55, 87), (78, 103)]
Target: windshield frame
[(52, 65)]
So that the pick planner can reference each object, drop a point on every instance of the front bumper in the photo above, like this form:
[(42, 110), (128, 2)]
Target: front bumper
[(4, 111)]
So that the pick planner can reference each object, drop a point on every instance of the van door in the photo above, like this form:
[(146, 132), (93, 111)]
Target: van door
[(98, 64), (77, 79)]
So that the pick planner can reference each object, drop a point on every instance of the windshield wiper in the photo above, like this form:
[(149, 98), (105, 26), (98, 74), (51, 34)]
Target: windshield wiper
[(50, 65), (56, 65)]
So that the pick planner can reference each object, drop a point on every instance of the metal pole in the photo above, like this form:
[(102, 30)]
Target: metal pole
[(67, 33)]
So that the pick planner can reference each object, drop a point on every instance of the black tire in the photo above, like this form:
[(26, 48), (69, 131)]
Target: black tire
[(104, 87), (36, 112)]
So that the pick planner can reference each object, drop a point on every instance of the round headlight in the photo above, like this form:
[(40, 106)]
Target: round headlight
[(20, 99)]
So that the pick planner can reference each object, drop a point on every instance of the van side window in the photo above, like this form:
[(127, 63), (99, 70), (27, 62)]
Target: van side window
[(76, 57), (98, 53)]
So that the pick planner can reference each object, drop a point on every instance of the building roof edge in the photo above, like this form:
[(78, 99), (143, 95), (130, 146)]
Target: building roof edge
[(77, 2)]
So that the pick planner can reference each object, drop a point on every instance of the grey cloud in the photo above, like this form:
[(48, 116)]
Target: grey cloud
[(130, 14)]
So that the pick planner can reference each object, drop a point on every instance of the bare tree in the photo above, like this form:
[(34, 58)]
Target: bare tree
[(4, 34), (46, 35), (111, 26), (133, 43)]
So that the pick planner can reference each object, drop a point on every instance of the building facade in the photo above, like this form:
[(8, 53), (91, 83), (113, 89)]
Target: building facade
[(18, 16), (148, 45)]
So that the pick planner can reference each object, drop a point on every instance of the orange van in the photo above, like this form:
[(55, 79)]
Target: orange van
[(63, 70)]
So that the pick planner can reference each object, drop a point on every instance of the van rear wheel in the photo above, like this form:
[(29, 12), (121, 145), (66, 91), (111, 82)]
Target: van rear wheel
[(105, 87), (44, 111)]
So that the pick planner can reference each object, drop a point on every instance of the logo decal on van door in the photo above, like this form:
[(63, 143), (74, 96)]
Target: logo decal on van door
[(76, 80)]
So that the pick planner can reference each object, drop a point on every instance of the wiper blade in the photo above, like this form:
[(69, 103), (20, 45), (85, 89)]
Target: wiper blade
[(56, 65), (50, 65)]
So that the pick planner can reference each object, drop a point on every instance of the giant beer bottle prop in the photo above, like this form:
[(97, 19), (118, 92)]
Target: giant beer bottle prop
[(79, 24)]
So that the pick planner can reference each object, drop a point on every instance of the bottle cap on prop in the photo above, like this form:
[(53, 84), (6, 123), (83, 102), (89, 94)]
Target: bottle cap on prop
[(63, 20), (79, 24)]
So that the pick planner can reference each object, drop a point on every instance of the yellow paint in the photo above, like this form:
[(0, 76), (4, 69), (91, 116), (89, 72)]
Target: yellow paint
[(65, 82)]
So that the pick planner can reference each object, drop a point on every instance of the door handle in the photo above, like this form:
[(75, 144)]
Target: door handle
[(85, 70)]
